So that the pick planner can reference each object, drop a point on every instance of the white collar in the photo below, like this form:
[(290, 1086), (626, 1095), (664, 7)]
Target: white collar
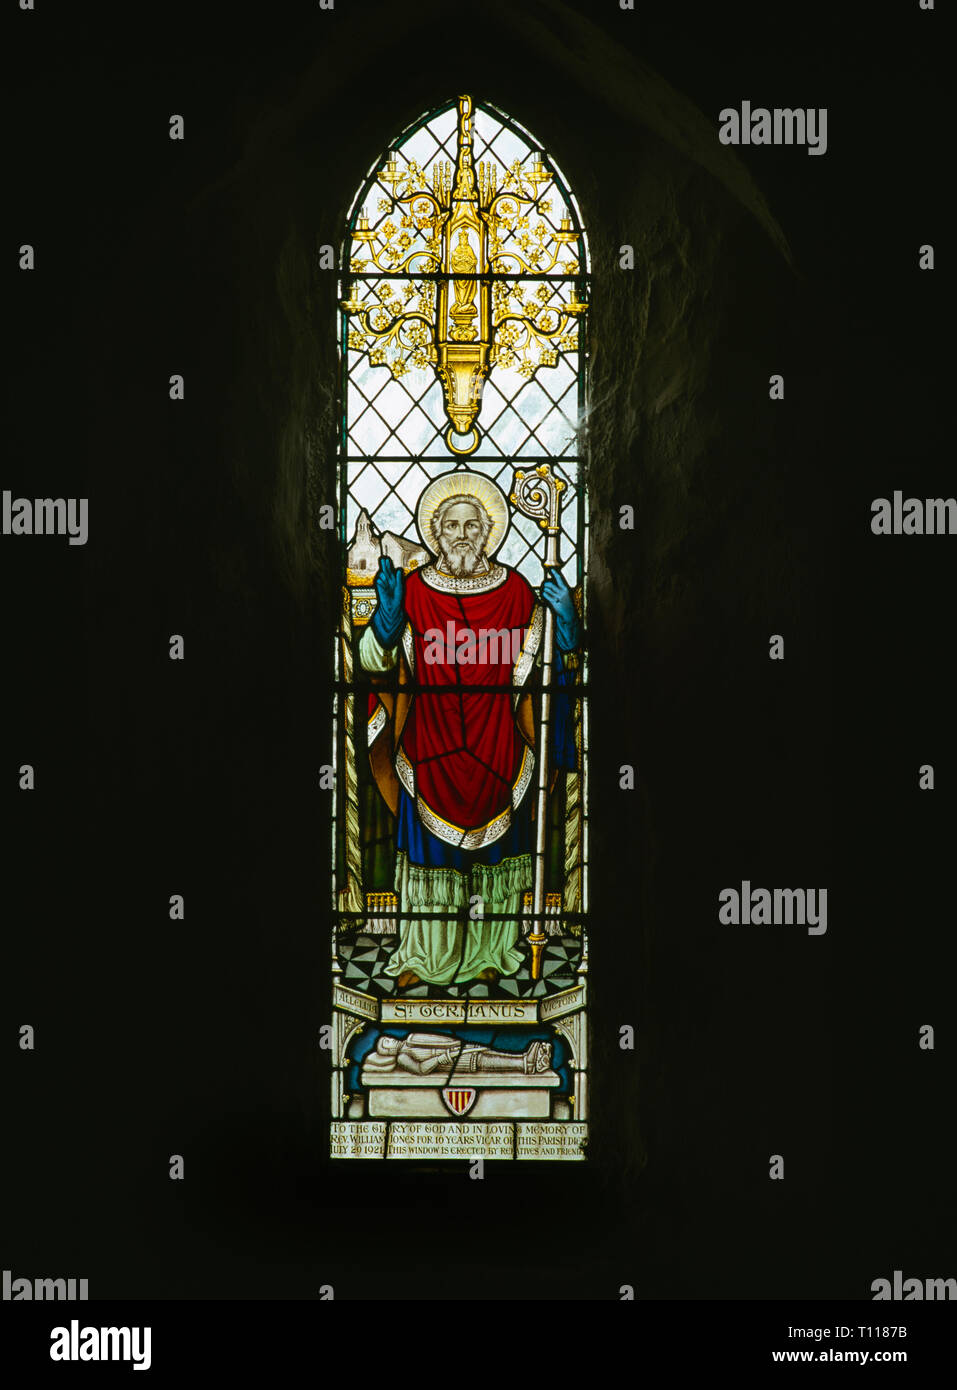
[(490, 578)]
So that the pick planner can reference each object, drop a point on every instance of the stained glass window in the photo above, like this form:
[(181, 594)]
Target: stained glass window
[(460, 714)]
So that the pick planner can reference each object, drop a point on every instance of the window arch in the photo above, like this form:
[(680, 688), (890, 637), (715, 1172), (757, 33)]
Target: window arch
[(460, 831)]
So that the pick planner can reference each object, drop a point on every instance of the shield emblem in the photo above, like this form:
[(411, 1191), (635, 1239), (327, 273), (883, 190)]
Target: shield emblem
[(459, 1099)]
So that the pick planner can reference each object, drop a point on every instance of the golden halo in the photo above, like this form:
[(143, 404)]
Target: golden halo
[(474, 485)]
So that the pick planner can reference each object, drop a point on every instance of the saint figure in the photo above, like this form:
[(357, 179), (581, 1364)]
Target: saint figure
[(454, 758)]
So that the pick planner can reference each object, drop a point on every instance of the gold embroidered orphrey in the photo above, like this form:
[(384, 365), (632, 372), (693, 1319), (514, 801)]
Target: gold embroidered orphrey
[(472, 313)]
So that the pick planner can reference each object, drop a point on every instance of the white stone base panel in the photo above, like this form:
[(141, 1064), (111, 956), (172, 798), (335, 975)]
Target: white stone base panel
[(499, 1097)]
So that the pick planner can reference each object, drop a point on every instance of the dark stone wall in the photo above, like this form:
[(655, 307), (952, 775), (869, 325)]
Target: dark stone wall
[(201, 777)]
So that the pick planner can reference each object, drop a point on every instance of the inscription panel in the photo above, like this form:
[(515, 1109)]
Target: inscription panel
[(460, 1011), (423, 1011), (564, 1003), (503, 1011), (535, 1140), (450, 1139), (353, 1002), (352, 1139)]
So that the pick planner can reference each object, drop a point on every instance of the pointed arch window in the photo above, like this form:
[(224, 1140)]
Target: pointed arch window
[(460, 714)]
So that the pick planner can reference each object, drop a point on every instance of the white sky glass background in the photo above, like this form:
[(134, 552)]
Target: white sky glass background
[(395, 428)]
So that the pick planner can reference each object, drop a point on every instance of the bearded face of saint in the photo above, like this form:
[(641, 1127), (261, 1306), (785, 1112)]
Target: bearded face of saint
[(460, 528)]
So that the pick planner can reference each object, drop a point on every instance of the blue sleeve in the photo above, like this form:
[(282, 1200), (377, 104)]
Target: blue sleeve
[(387, 623)]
